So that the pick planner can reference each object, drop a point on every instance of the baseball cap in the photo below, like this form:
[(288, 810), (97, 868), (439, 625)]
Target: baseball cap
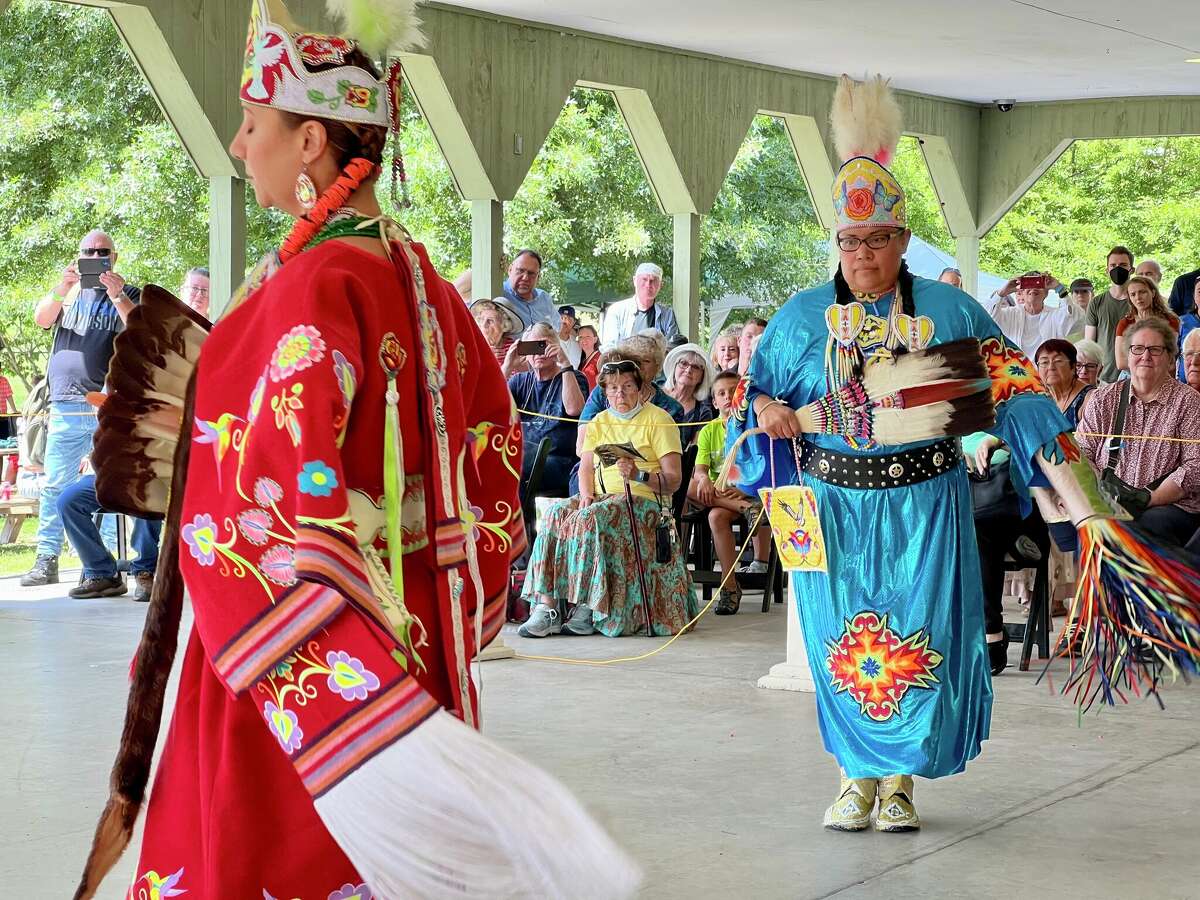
[(1082, 284)]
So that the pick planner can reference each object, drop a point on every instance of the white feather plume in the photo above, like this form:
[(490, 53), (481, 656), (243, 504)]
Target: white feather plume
[(380, 27), (866, 119)]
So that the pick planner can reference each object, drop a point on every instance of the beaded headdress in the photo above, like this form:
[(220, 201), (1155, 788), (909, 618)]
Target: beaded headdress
[(866, 124), (278, 53)]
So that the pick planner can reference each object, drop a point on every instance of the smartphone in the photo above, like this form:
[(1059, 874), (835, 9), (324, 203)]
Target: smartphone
[(531, 348), (90, 270), (1031, 283)]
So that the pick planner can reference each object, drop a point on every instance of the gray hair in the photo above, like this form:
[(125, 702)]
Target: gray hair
[(1090, 349), (202, 271), (1159, 327), (1193, 338), (540, 331)]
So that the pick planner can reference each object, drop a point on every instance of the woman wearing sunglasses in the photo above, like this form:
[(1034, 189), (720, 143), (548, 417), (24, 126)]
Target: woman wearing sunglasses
[(584, 556)]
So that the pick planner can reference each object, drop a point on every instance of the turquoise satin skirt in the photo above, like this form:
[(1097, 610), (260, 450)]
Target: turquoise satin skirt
[(895, 631)]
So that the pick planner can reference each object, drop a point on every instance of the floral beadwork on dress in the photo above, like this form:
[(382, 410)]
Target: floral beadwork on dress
[(317, 479), (255, 526), (279, 565), (292, 683), (152, 886), (296, 351), (200, 535)]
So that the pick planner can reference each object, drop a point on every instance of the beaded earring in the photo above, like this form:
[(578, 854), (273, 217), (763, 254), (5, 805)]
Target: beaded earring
[(306, 190)]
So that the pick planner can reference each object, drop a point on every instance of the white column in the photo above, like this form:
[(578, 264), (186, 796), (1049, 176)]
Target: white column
[(793, 673), (685, 274), (968, 263), (226, 239), (487, 247), (497, 649)]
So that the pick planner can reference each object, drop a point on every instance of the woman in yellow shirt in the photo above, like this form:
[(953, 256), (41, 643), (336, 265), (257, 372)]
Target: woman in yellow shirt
[(584, 556)]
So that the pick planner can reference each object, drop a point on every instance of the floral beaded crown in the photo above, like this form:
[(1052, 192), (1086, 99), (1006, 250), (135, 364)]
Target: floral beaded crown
[(866, 124), (278, 53)]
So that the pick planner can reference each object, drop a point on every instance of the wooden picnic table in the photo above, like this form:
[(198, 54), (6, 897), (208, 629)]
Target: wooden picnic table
[(15, 511)]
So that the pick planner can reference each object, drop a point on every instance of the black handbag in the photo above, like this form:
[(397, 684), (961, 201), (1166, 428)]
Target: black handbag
[(993, 494), (1133, 500)]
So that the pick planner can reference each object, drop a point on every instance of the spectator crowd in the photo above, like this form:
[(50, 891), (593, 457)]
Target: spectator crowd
[(624, 427), (1124, 360)]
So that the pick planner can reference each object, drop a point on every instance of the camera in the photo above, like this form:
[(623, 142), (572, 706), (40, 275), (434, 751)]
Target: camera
[(1005, 105)]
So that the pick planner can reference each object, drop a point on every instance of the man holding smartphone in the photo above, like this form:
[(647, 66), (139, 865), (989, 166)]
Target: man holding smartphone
[(89, 309), (1030, 322)]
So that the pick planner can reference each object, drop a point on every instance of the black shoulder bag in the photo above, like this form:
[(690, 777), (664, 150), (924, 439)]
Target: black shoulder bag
[(1134, 500)]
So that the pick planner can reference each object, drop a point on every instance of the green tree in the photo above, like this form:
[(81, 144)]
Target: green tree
[(86, 146), (1140, 192)]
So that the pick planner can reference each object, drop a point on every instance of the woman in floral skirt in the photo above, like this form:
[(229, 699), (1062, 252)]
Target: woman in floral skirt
[(584, 554)]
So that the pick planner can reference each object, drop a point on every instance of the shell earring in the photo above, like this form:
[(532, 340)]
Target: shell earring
[(306, 190)]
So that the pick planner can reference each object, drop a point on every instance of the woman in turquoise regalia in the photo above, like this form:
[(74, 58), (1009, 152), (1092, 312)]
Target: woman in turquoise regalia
[(894, 629)]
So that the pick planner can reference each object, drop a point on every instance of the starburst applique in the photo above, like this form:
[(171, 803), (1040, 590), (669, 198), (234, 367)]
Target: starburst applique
[(877, 667), (1011, 371)]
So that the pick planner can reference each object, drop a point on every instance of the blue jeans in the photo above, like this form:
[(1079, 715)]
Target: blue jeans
[(68, 441), (77, 505)]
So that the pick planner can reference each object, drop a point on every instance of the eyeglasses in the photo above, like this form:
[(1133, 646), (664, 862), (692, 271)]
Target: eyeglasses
[(684, 364), (849, 243), (529, 273), (1143, 349), (1086, 367), (191, 288), (619, 367), (96, 251)]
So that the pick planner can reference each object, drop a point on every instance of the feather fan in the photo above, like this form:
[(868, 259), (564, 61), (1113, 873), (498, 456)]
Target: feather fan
[(943, 391), (866, 119), (152, 670), (141, 418), (379, 26)]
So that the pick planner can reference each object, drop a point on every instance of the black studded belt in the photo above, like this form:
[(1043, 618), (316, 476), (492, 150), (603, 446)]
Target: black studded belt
[(885, 471)]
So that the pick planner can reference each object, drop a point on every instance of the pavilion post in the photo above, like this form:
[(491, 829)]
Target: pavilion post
[(685, 274), (967, 255), (226, 239), (793, 674), (487, 248)]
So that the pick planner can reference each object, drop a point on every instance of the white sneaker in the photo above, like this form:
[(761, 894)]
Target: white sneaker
[(542, 621), (758, 567), (580, 620)]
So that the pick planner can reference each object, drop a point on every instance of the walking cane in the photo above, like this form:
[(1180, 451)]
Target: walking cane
[(641, 566)]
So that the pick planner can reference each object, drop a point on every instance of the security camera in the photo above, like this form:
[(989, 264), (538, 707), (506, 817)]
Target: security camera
[(1005, 105)]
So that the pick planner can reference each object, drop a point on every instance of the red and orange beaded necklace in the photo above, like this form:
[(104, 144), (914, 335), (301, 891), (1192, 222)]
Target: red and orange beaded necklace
[(310, 224)]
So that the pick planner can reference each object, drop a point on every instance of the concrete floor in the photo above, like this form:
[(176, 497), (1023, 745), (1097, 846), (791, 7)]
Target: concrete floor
[(716, 786)]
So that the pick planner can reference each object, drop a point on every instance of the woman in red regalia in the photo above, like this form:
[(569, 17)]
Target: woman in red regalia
[(344, 557)]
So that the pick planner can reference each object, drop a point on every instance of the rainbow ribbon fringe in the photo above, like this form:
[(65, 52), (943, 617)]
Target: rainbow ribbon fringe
[(1135, 618)]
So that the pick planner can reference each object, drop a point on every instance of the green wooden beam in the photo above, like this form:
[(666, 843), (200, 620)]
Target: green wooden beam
[(1017, 147), (498, 79)]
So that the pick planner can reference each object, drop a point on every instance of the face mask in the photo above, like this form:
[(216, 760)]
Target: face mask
[(1119, 275), (625, 416)]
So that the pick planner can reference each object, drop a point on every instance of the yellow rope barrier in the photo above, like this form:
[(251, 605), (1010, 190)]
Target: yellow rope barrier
[(568, 660), (1133, 437)]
